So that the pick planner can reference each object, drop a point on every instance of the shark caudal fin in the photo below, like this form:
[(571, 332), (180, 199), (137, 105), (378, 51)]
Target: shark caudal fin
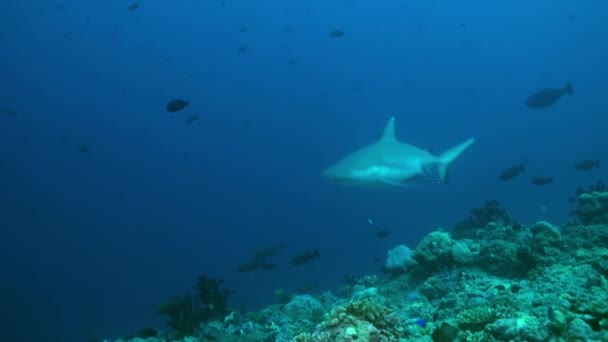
[(447, 157)]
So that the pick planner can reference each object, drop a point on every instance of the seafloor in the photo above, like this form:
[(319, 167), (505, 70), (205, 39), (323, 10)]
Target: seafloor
[(488, 279)]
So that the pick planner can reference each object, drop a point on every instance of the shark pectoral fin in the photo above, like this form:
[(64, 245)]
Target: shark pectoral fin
[(447, 157)]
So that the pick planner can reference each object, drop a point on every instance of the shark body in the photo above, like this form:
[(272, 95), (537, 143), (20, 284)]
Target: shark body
[(391, 162)]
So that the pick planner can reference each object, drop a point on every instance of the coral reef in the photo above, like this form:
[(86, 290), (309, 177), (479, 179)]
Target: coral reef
[(493, 281), (593, 208), (186, 313)]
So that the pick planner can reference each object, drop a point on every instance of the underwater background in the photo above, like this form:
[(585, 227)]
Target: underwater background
[(110, 204)]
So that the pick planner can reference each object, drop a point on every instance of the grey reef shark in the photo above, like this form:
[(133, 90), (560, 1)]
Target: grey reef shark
[(389, 162)]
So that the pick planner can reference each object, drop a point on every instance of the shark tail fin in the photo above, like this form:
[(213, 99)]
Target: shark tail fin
[(447, 157)]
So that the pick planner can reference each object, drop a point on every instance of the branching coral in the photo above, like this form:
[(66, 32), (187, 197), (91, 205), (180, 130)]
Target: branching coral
[(186, 313)]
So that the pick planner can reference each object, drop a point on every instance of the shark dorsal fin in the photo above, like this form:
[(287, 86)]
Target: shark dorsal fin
[(389, 131)]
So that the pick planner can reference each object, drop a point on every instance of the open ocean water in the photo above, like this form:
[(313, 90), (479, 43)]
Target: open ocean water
[(144, 143)]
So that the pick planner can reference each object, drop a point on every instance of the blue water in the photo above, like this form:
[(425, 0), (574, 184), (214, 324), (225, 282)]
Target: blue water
[(93, 242)]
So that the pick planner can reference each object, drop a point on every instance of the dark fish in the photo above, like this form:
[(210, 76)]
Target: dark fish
[(133, 7), (191, 119), (250, 265), (176, 105), (293, 62), (243, 29), (336, 33), (377, 260), (305, 257), (266, 266), (9, 112), (542, 180), (547, 97), (242, 49), (148, 332), (551, 314), (585, 165), (268, 251), (512, 172), (381, 234), (84, 149)]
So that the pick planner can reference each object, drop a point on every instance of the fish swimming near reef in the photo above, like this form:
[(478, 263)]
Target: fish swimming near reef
[(512, 172), (336, 33), (176, 105), (541, 180), (268, 251), (383, 233), (389, 162), (249, 265), (588, 164), (133, 7), (191, 119), (305, 257), (545, 98), (9, 112)]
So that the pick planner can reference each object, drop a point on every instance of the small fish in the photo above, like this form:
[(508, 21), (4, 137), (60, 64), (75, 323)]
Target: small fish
[(383, 233), (512, 172), (268, 251), (336, 33), (249, 266), (266, 266), (242, 49), (293, 62), (542, 180), (148, 332), (421, 323), (133, 7), (84, 149), (545, 98), (305, 257), (9, 112), (588, 164), (191, 119), (551, 314), (243, 29), (176, 105), (371, 221)]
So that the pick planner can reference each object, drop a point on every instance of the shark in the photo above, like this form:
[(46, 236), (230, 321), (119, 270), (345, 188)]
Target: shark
[(389, 162)]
